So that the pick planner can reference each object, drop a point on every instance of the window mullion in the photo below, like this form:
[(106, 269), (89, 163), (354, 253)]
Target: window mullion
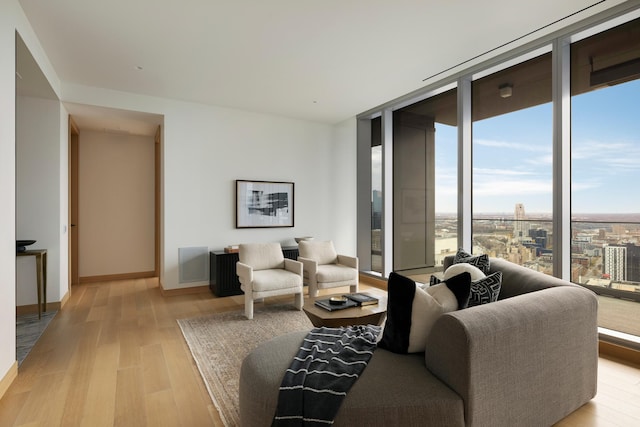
[(561, 57)]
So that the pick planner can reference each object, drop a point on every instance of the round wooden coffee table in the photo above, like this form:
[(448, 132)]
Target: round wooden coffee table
[(365, 315)]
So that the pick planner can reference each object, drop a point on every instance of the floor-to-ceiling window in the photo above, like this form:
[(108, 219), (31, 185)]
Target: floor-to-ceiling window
[(504, 118), (605, 155), (376, 195), (512, 171), (424, 182)]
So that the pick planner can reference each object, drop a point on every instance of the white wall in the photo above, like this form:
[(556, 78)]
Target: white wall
[(11, 19), (38, 194), (343, 164), (63, 224), (116, 204), (7, 187), (205, 149)]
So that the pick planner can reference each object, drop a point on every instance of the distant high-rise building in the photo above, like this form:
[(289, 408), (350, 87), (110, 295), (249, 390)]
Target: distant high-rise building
[(520, 224), (614, 265), (376, 210), (539, 236), (633, 263), (376, 197)]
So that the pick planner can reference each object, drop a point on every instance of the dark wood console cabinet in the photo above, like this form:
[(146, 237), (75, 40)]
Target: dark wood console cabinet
[(223, 280)]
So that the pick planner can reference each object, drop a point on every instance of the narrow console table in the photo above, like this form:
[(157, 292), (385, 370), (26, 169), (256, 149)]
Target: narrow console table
[(41, 276), (223, 280)]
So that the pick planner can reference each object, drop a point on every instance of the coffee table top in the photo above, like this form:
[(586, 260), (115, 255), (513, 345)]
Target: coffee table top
[(364, 315)]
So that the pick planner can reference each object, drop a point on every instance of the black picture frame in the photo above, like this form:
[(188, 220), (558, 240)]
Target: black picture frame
[(264, 204)]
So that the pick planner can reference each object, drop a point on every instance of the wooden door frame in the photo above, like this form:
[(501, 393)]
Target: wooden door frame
[(74, 137), (157, 201)]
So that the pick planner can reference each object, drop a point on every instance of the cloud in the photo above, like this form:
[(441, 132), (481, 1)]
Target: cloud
[(511, 187), (514, 145), (582, 186), (540, 161), (499, 172), (609, 157)]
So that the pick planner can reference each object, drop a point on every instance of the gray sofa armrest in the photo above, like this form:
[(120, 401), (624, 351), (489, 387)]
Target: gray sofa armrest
[(529, 360)]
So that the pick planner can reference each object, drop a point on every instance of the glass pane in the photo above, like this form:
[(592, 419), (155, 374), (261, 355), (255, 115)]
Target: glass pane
[(425, 182), (512, 168), (605, 168), (376, 194), (446, 189)]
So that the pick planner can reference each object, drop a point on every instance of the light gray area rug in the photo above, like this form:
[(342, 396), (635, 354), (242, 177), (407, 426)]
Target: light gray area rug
[(221, 341)]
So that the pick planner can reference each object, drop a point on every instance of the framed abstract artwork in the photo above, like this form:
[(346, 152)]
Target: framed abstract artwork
[(262, 204)]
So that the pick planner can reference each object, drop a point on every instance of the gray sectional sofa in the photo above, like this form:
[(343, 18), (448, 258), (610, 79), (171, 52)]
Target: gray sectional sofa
[(528, 359)]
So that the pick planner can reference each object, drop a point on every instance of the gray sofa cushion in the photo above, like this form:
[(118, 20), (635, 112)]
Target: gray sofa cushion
[(393, 390)]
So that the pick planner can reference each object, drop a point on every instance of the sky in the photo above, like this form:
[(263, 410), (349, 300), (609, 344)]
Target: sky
[(512, 157)]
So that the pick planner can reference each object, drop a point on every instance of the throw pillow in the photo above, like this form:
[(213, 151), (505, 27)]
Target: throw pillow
[(433, 280), (411, 311), (486, 290), (480, 261), (455, 269)]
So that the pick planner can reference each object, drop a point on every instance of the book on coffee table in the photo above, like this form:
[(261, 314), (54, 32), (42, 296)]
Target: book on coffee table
[(362, 298), (326, 304)]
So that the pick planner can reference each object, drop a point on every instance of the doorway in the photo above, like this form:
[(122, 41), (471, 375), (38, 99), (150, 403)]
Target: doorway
[(114, 194)]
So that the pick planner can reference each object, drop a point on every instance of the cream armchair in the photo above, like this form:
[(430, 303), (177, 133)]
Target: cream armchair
[(265, 272), (324, 268)]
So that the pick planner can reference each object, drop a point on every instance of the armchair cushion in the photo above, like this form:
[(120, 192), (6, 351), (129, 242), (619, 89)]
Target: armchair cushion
[(321, 252), (262, 256), (335, 273), (268, 280)]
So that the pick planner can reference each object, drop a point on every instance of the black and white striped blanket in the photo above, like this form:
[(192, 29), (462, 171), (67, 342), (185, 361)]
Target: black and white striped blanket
[(328, 363)]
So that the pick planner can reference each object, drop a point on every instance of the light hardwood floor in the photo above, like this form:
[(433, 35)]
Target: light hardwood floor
[(114, 356)]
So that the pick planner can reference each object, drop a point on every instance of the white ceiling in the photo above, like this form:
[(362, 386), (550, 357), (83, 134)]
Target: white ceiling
[(322, 60)]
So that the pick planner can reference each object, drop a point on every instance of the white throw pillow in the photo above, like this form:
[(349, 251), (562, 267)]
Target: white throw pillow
[(412, 311), (455, 269)]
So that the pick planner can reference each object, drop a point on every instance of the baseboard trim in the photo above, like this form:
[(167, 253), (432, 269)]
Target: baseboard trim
[(33, 308), (373, 281), (7, 380), (112, 277), (184, 291), (65, 299), (620, 352)]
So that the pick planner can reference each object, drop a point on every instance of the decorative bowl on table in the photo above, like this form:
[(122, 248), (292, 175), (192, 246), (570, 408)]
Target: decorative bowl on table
[(338, 300), (21, 245), (300, 239)]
